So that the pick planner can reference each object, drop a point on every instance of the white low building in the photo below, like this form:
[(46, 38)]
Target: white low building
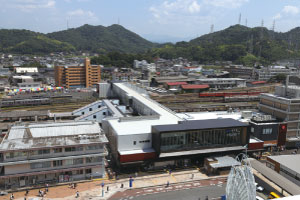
[(34, 154)]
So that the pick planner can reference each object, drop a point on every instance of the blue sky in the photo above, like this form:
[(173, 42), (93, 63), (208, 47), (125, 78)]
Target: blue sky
[(153, 19)]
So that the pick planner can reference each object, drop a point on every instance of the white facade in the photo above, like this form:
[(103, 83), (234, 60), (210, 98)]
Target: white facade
[(51, 152), (222, 83), (265, 73)]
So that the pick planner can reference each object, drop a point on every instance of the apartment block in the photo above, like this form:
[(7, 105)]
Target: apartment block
[(83, 75), (35, 154)]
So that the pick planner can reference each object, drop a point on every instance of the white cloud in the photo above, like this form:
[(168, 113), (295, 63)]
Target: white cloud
[(80, 12), (293, 10), (79, 17), (30, 5), (287, 11), (225, 3)]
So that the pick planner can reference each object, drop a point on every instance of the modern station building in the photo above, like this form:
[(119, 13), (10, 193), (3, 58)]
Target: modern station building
[(32, 154), (155, 136), (83, 75)]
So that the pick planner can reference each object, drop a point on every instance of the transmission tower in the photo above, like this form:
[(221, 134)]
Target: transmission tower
[(240, 18), (246, 22), (212, 28), (251, 45), (262, 23), (273, 25)]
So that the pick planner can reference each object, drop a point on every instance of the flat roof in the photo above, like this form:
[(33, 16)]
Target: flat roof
[(212, 115), (201, 151), (142, 125), (273, 176), (290, 161), (221, 79), (200, 124), (225, 161), (46, 135)]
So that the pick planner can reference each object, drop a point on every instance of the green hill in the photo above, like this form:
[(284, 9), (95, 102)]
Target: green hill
[(103, 39), (239, 44), (96, 39)]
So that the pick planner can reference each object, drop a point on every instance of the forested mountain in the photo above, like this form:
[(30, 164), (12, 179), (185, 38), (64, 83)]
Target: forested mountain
[(96, 39), (102, 39), (239, 44)]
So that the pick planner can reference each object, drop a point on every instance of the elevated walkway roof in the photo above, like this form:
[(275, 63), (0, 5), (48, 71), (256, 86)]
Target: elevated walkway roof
[(276, 178)]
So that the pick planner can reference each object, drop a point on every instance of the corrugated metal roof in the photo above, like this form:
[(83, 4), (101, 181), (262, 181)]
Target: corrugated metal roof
[(176, 83)]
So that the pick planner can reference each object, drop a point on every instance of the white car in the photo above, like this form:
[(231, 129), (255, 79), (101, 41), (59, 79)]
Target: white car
[(259, 188), (259, 198)]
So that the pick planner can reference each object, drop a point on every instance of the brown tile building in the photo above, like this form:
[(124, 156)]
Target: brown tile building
[(85, 75)]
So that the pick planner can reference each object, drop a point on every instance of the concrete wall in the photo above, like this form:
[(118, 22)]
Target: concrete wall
[(126, 142)]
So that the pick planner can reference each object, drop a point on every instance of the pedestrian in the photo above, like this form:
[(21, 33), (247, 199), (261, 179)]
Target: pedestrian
[(77, 194), (136, 174), (192, 176), (168, 183), (40, 193), (107, 188), (26, 193), (170, 171), (12, 196), (25, 198), (206, 198), (122, 185)]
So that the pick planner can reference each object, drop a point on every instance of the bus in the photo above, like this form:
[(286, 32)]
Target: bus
[(273, 195)]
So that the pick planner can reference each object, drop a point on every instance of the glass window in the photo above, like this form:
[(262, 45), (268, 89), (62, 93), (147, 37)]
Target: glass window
[(40, 165), (78, 161), (94, 147), (69, 162), (93, 159), (57, 163), (71, 149), (57, 150), (94, 116), (90, 109)]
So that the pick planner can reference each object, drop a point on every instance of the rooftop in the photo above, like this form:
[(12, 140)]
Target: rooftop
[(200, 124), (224, 161), (176, 83), (30, 136), (289, 161), (144, 124), (186, 87), (221, 79)]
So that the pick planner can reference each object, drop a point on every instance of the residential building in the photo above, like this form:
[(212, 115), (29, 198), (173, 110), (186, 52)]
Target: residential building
[(34, 154), (78, 76), (25, 82), (25, 70), (265, 73), (239, 71)]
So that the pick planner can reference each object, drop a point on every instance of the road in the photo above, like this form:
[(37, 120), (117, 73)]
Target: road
[(213, 188)]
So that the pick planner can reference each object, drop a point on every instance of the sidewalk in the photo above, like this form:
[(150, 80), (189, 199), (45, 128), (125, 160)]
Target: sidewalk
[(93, 189)]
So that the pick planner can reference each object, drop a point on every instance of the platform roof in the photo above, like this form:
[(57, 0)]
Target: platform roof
[(276, 178), (290, 161)]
